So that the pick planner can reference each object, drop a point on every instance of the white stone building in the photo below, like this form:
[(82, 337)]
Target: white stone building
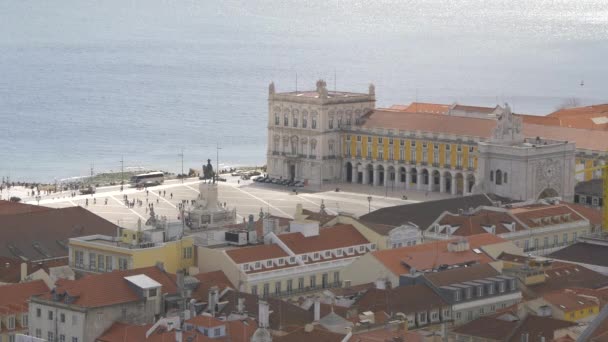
[(304, 130)]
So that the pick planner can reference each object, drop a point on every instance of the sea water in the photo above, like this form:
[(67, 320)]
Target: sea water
[(87, 83)]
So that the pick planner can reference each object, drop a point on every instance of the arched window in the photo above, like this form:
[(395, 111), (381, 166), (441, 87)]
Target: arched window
[(491, 176), (505, 178), (498, 177)]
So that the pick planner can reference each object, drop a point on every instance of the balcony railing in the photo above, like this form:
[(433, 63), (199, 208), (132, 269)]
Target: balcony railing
[(305, 289)]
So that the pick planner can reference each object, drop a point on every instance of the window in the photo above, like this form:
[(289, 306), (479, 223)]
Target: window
[(413, 156), (62, 317), (526, 245), (358, 138), (74, 339), (313, 124), (369, 150), (62, 338), (512, 284), (546, 242), (254, 290), (458, 315), (266, 289), (11, 322), (456, 296), (574, 236), (101, 263), (281, 261), (459, 148), (555, 240), (152, 292), (480, 291), (425, 156), (74, 319), (492, 308), (79, 256), (50, 315), (491, 176), (313, 281), (380, 141), (469, 293), (295, 120), (491, 289), (285, 120), (565, 238), (481, 311), (505, 178), (277, 287), (304, 121), (336, 277), (217, 332), (122, 263), (109, 263), (269, 263), (380, 153), (300, 283), (472, 162), (413, 143), (38, 312), (51, 336), (289, 285), (92, 261), (277, 121), (24, 320), (38, 333), (501, 287), (459, 160), (11, 338)]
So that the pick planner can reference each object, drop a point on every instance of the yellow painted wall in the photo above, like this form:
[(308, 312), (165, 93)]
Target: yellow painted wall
[(418, 151), (453, 154), (442, 154), (588, 164), (576, 315)]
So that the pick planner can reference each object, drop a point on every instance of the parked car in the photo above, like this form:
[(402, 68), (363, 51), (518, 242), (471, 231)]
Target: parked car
[(299, 184)]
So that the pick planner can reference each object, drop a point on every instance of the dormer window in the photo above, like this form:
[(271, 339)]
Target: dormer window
[(351, 250), (373, 246), (281, 261), (152, 293), (292, 260), (339, 252), (512, 284), (501, 287), (258, 265), (269, 263), (479, 291), (361, 249), (469, 293), (11, 322), (491, 289), (315, 256), (457, 296), (328, 254), (305, 257), (246, 267)]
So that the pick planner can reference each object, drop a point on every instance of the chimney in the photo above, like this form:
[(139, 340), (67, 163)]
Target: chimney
[(213, 300), (240, 306), (317, 309), (263, 313), (23, 270), (250, 223), (178, 335), (380, 284)]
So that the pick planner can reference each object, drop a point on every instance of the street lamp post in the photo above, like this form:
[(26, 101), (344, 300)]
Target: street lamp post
[(369, 204), (182, 155), (38, 199), (217, 161)]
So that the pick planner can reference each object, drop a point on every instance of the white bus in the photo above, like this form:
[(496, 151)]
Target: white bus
[(148, 179)]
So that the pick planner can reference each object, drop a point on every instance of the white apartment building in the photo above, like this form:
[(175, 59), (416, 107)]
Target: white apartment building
[(305, 260)]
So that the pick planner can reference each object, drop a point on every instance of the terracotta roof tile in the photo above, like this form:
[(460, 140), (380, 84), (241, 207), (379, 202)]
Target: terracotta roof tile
[(12, 273), (14, 208), (433, 254), (18, 294), (564, 275), (529, 214), (481, 128), (461, 275), (255, 253), (110, 288), (338, 236), (317, 335), (569, 300), (472, 224)]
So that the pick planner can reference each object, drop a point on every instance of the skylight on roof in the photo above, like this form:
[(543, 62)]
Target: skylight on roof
[(477, 250)]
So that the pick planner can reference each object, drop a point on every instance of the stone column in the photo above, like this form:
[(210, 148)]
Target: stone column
[(376, 175), (365, 175), (442, 183), (387, 176), (454, 184), (408, 179), (419, 180)]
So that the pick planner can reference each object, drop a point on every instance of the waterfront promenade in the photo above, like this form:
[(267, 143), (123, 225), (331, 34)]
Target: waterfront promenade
[(246, 196)]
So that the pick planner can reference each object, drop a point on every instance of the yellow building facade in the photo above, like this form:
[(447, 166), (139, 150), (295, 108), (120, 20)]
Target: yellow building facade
[(100, 253)]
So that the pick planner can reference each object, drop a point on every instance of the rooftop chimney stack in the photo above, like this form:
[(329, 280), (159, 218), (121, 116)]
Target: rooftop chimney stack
[(240, 306), (317, 308), (178, 335), (264, 314), (213, 300)]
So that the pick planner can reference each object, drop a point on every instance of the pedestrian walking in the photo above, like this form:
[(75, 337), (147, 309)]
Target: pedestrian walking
[(171, 195)]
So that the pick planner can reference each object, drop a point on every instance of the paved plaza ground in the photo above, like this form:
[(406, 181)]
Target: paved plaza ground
[(246, 196)]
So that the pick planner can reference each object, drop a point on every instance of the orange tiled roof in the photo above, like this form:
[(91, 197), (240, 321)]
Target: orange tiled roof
[(256, 253), (13, 208), (110, 288), (569, 301), (14, 297), (206, 321), (433, 254), (422, 107), (339, 236), (589, 117), (480, 128), (473, 224), (529, 213)]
